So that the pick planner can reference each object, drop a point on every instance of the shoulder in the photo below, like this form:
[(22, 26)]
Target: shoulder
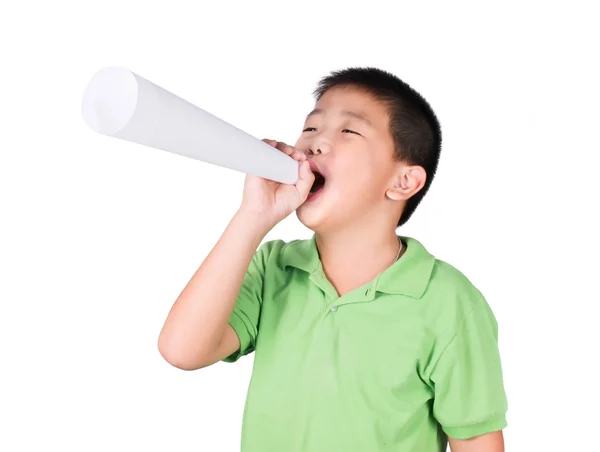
[(447, 280), (280, 254), (278, 247), (431, 279), (277, 254), (450, 298), (273, 247), (269, 252)]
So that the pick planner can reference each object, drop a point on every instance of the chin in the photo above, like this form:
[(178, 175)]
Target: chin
[(326, 212), (311, 218)]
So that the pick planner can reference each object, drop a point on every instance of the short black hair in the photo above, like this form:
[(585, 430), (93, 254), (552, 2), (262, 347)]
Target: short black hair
[(414, 127)]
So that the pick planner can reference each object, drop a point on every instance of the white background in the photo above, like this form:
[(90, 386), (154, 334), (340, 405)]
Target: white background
[(98, 237)]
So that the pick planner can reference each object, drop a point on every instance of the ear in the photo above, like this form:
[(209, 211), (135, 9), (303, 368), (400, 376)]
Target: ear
[(407, 181)]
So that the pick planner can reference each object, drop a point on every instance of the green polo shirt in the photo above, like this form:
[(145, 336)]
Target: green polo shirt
[(395, 365)]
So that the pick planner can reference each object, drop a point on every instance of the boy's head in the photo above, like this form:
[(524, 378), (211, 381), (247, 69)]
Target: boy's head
[(377, 143)]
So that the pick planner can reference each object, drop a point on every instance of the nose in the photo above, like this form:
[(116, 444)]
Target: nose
[(319, 146)]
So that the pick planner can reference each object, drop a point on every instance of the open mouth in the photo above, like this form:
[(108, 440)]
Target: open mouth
[(319, 182)]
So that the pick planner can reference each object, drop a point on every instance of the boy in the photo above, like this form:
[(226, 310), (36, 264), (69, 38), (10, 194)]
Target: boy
[(363, 340)]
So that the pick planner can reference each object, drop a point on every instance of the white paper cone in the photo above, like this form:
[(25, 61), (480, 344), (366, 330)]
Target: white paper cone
[(122, 104)]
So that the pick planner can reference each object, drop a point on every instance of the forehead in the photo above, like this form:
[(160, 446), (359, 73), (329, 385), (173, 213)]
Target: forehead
[(352, 99)]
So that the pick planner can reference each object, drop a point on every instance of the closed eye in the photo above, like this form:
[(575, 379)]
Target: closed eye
[(309, 129)]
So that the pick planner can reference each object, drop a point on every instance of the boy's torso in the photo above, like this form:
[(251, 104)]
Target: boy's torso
[(350, 373)]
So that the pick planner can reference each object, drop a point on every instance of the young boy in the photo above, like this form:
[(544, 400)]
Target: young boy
[(363, 340)]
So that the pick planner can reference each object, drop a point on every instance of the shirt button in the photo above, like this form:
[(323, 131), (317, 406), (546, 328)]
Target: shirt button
[(334, 308)]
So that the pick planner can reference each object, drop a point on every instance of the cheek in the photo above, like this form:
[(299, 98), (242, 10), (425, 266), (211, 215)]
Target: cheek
[(361, 173), (357, 186)]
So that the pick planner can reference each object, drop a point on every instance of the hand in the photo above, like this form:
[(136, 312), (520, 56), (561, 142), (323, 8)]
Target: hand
[(274, 201)]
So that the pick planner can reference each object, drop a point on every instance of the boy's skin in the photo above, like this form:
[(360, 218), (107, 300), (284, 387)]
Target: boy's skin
[(354, 218)]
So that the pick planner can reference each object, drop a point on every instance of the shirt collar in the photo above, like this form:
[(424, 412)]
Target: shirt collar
[(408, 276)]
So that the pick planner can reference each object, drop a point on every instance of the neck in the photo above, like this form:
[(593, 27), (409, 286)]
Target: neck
[(353, 257)]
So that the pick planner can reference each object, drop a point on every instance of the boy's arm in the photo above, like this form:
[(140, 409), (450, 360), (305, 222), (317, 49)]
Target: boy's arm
[(490, 442), (196, 332), (469, 401)]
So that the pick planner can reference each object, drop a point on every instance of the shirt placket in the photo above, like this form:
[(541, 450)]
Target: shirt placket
[(333, 301)]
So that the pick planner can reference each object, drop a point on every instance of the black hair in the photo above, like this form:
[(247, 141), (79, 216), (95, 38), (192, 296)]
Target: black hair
[(413, 125)]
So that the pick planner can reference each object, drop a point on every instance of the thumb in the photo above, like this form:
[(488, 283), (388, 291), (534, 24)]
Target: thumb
[(306, 179)]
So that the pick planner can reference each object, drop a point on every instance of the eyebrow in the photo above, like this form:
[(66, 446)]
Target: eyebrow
[(348, 113)]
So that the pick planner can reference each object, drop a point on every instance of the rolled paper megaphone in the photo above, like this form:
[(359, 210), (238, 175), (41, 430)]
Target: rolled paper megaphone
[(122, 104)]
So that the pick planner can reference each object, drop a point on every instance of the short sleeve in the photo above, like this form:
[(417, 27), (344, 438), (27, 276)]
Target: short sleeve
[(469, 398), (246, 312)]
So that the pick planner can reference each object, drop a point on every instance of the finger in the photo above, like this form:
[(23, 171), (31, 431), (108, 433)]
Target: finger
[(301, 155), (293, 152), (306, 178), (270, 142), (285, 148), (298, 156)]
